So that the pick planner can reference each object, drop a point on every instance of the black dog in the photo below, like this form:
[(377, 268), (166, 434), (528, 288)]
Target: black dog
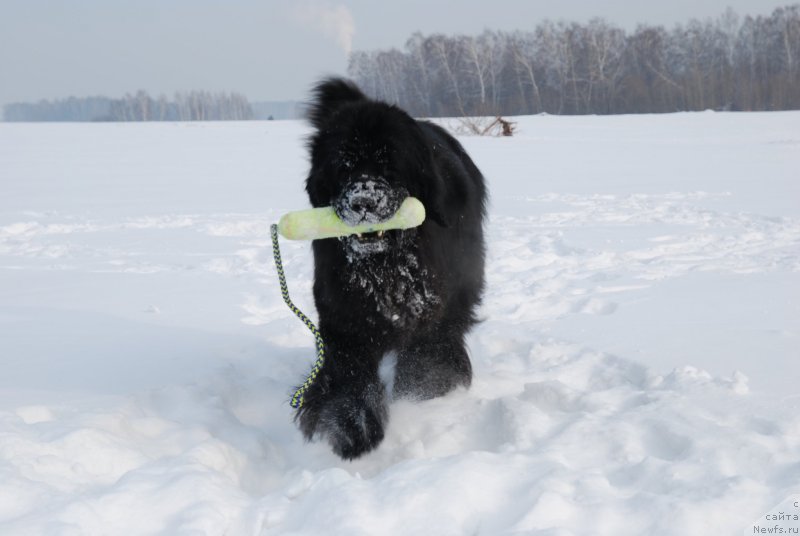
[(408, 293)]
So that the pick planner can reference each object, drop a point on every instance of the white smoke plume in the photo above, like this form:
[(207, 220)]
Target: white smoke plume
[(334, 21)]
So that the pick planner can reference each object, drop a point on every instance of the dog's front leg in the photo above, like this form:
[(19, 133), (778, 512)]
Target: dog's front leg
[(346, 405)]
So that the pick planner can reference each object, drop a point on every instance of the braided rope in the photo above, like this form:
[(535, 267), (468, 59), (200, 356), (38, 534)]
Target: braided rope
[(299, 395)]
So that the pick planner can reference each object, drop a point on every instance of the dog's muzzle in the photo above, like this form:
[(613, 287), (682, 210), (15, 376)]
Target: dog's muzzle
[(367, 200)]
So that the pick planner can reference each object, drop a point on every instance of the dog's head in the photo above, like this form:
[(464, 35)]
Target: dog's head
[(366, 158)]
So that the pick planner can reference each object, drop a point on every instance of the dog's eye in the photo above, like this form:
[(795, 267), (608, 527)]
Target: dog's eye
[(345, 159)]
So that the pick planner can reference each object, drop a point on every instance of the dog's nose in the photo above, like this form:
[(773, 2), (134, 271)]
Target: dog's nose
[(363, 204), (367, 200)]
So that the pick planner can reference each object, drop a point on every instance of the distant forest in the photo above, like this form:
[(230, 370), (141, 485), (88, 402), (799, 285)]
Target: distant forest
[(186, 106), (728, 63)]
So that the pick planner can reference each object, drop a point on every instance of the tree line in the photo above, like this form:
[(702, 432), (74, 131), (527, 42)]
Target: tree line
[(185, 106), (728, 63)]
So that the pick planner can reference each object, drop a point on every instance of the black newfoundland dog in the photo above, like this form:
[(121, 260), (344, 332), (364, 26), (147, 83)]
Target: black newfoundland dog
[(411, 294)]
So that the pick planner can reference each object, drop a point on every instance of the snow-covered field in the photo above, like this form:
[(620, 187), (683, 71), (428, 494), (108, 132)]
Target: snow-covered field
[(637, 372)]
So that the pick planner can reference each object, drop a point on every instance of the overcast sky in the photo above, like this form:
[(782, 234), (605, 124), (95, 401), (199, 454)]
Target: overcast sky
[(266, 49)]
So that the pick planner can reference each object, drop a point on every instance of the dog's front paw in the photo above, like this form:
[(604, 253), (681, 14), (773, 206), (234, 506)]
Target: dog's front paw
[(353, 426), (352, 423)]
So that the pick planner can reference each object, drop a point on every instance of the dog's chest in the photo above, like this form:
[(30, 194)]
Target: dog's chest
[(400, 290)]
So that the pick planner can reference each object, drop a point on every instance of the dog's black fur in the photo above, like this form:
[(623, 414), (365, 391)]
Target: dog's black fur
[(409, 293)]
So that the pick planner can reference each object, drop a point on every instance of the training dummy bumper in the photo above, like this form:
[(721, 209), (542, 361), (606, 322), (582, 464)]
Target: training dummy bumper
[(318, 223)]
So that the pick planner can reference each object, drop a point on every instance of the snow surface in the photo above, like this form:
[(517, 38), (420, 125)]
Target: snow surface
[(637, 371)]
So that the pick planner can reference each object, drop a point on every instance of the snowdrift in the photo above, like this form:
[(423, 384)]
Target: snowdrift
[(636, 371)]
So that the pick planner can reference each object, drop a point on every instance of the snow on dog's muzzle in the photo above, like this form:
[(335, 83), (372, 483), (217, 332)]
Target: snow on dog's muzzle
[(368, 200)]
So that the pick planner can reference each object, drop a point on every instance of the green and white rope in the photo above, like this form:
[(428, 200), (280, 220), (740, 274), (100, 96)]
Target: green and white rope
[(299, 395)]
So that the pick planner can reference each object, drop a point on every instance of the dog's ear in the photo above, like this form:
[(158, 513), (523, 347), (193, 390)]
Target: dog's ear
[(328, 96), (317, 190), (434, 196)]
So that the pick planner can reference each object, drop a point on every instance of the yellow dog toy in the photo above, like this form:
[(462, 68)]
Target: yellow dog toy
[(318, 223)]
